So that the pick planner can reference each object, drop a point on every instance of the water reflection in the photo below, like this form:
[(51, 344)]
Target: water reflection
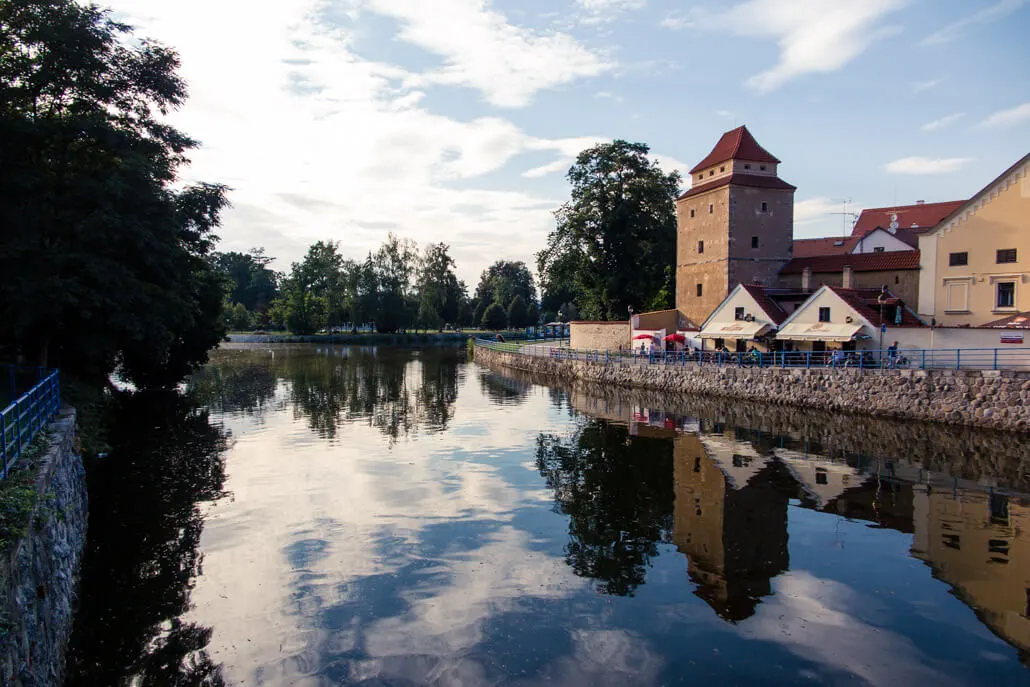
[(401, 517), (142, 556)]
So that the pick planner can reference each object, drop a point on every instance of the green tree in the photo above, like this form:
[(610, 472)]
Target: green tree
[(439, 291), (616, 236), (517, 315), (394, 266), (504, 280), (252, 282), (103, 257), (494, 318)]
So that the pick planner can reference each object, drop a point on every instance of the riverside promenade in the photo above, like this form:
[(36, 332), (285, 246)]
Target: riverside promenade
[(987, 398)]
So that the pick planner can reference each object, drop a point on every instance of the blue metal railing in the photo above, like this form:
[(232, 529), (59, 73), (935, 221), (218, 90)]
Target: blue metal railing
[(917, 359), (27, 413)]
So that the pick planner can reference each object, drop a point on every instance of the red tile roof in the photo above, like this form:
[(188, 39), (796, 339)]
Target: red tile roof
[(738, 144), (925, 215), (1020, 320), (765, 302), (865, 303), (808, 248), (750, 180), (859, 262)]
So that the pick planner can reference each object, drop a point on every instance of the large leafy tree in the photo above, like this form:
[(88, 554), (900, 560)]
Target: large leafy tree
[(616, 236), (395, 265), (252, 283), (439, 291), (104, 256), (504, 280)]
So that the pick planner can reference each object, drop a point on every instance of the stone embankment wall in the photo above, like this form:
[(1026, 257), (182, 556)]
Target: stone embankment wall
[(995, 399), (39, 575)]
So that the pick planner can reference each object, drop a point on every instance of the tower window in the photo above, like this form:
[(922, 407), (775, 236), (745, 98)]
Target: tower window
[(700, 290), (691, 213), (700, 246), (711, 208), (754, 242), (765, 206)]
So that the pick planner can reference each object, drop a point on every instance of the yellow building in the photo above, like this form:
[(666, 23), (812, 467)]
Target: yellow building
[(975, 265)]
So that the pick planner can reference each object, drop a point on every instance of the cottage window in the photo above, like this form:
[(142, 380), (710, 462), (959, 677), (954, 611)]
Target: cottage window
[(1006, 255), (821, 476), (747, 166), (738, 313), (700, 246), (722, 169), (765, 206), (754, 242), (711, 208), (958, 259), (701, 175), (700, 290), (878, 249), (691, 213), (824, 314), (762, 167), (1006, 294), (711, 172)]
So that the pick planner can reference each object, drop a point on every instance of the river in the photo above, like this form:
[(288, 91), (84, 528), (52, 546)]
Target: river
[(311, 515)]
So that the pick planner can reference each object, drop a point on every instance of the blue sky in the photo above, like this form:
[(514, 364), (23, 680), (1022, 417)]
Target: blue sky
[(455, 120)]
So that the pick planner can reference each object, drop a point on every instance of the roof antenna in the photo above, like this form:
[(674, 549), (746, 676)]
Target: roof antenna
[(844, 218)]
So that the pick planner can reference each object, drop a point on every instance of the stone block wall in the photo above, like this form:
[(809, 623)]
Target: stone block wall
[(39, 575), (599, 336), (990, 399)]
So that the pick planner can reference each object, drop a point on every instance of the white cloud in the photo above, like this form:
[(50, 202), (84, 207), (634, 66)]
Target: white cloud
[(508, 64), (604, 11), (321, 143), (1009, 117), (814, 36), (920, 86), (939, 124), (725, 114), (952, 31), (813, 209), (926, 165)]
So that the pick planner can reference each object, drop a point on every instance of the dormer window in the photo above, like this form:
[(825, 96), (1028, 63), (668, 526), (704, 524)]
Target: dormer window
[(711, 172), (762, 167), (747, 166), (701, 176), (722, 169)]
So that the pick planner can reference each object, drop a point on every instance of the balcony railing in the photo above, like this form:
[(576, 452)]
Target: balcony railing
[(26, 413)]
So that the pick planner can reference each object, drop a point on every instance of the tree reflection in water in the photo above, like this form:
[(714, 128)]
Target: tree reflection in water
[(141, 557), (393, 390), (617, 491)]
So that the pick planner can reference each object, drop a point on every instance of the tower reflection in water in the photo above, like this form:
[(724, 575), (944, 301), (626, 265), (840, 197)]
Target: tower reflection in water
[(734, 486)]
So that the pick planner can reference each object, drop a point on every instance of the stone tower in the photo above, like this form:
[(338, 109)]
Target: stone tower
[(735, 224)]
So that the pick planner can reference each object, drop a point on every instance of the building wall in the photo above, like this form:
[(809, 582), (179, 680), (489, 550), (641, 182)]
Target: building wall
[(669, 320), (966, 295), (880, 239), (710, 269), (902, 283), (774, 229), (600, 336)]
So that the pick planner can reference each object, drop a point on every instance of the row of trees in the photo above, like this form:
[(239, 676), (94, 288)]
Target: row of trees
[(96, 225), (398, 287)]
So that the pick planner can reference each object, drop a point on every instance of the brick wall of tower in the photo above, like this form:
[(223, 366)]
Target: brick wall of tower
[(773, 227), (710, 269)]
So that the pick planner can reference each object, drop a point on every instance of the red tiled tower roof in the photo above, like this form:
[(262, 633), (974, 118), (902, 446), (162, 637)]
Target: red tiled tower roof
[(751, 180), (925, 215), (738, 144)]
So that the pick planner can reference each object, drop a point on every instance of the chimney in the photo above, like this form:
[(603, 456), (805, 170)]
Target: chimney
[(845, 281), (806, 278)]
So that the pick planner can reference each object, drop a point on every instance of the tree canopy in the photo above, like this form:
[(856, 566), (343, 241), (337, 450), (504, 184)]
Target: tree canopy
[(105, 255), (615, 238)]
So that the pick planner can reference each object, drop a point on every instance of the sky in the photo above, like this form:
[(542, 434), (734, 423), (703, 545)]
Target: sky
[(456, 120)]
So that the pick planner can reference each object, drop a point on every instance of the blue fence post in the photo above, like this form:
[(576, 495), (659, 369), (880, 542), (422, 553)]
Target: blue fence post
[(808, 359), (922, 365), (995, 358), (958, 358)]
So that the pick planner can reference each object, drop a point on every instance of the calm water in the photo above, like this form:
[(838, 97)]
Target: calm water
[(403, 517)]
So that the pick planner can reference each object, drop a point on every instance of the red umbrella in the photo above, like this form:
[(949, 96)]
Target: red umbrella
[(678, 338), (643, 336)]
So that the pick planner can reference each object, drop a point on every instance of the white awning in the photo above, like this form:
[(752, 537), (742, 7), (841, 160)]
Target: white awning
[(819, 331), (734, 329)]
